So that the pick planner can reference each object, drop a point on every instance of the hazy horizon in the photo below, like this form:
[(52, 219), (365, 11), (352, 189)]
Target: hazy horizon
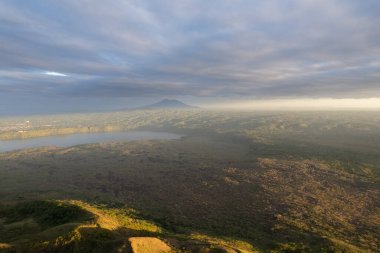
[(59, 57), (190, 126)]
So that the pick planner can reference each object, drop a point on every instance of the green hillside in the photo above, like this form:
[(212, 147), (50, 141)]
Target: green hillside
[(75, 226)]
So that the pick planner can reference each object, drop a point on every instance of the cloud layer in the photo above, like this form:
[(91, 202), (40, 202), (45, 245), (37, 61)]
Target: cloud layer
[(216, 48)]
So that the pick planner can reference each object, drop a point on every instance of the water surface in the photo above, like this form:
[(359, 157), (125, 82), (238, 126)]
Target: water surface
[(84, 138)]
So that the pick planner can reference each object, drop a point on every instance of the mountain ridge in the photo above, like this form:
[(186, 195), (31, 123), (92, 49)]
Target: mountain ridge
[(168, 104)]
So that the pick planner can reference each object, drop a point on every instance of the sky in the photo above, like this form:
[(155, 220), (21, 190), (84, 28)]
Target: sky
[(58, 56)]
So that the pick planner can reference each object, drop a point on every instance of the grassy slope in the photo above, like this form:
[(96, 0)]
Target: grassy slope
[(76, 226)]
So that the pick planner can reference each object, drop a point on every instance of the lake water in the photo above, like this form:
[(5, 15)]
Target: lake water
[(86, 138)]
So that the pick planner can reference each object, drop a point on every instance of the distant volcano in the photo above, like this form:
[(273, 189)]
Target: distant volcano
[(168, 104)]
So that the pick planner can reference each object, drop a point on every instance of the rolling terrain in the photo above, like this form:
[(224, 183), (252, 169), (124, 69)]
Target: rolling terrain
[(236, 182)]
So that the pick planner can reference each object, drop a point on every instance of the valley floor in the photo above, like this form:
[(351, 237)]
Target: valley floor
[(218, 189)]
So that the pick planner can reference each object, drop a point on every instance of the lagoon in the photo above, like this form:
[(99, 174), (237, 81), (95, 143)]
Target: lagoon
[(84, 138)]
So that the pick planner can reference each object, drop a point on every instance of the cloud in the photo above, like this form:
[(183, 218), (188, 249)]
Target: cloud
[(52, 73), (261, 49)]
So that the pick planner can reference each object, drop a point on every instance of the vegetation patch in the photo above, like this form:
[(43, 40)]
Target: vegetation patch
[(148, 245)]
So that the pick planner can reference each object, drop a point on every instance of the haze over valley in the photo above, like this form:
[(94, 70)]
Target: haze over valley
[(190, 126)]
